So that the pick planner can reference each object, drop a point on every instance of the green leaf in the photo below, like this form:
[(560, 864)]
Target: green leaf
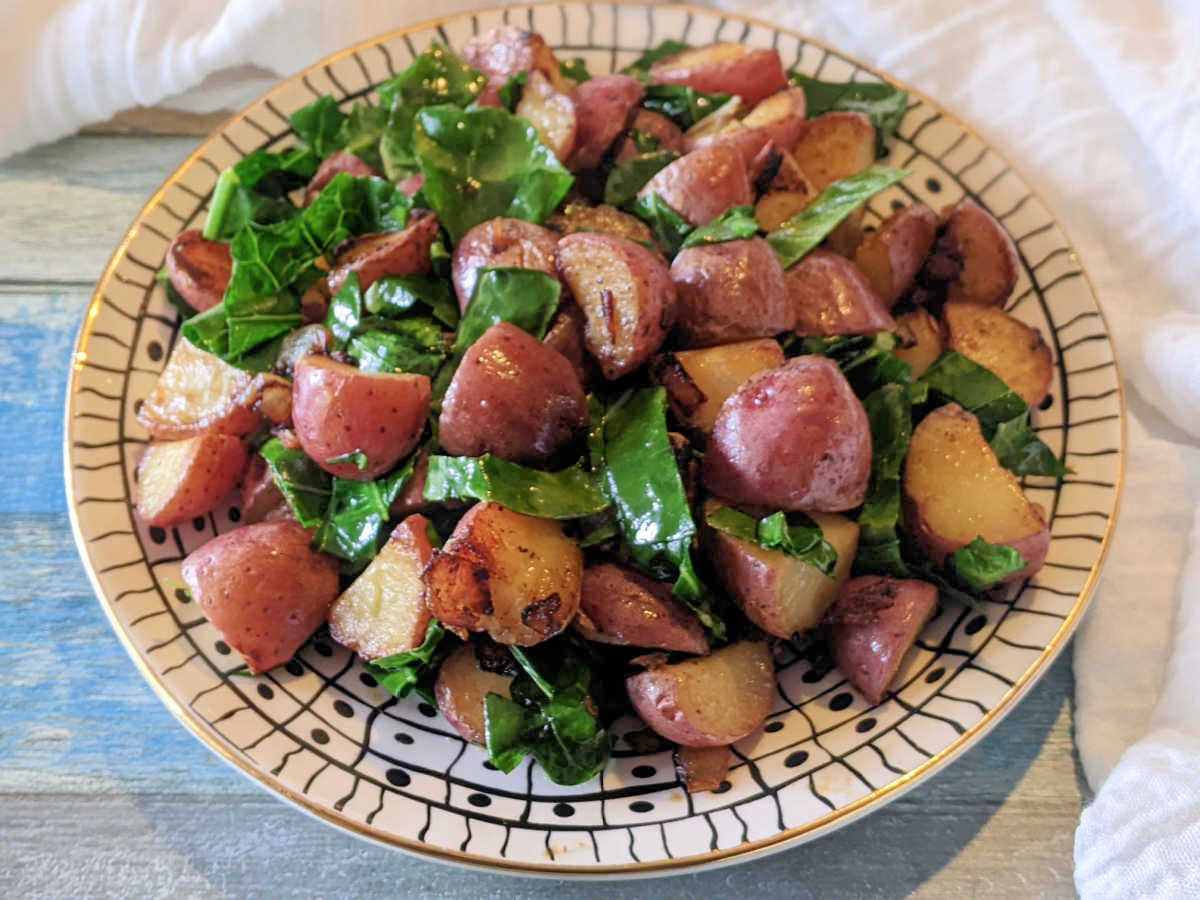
[(575, 69), (399, 673), (304, 484), (357, 511), (345, 311), (735, 224), (643, 63), (394, 296), (513, 90), (414, 345), (357, 458), (525, 297), (567, 494), (684, 105), (794, 239), (630, 176), (255, 190), (796, 535), (437, 76), (319, 125), (889, 413), (645, 143), (883, 104), (1022, 452), (396, 144), (982, 566), (670, 230), (361, 132), (483, 163), (867, 361)]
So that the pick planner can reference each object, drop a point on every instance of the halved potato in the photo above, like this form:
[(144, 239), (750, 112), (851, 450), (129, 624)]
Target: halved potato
[(624, 607), (1007, 347), (626, 294), (834, 146), (604, 219), (550, 112), (504, 51), (710, 700), (514, 576), (199, 269), (830, 296), (973, 260), (750, 72), (261, 497), (500, 242), (460, 689), (925, 334), (704, 183), (566, 336), (955, 490), (698, 382), (774, 208), (892, 256), (179, 480), (373, 256), (655, 125), (602, 107), (702, 768), (844, 239), (780, 116), (383, 611)]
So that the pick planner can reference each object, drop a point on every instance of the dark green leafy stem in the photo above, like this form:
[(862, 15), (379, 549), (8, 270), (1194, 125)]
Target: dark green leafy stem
[(684, 105), (304, 484), (525, 297), (567, 494), (255, 190), (642, 64), (735, 224), (630, 176), (796, 535), (889, 412), (361, 132), (356, 458), (352, 527), (793, 240), (400, 673), (883, 104), (670, 230), (981, 566)]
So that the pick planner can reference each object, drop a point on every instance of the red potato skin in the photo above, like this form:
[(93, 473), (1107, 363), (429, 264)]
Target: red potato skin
[(753, 75), (263, 588), (373, 256), (214, 464), (565, 336), (602, 106), (657, 126), (338, 409), (505, 51), (412, 184), (624, 607), (830, 296), (876, 620), (500, 242), (973, 256), (730, 292), (199, 269), (1032, 547), (513, 397), (261, 497), (901, 243), (342, 161), (704, 183), (792, 438)]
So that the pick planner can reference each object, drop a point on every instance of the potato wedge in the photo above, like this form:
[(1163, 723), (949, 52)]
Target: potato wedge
[(505, 51), (955, 490), (893, 255), (551, 113), (751, 73), (461, 687), (626, 295), (179, 480), (830, 296), (655, 125), (261, 498), (603, 219), (973, 259), (500, 242), (704, 183), (776, 207), (373, 256), (702, 768), (845, 239), (199, 393), (624, 607), (780, 117), (199, 269), (383, 611), (710, 700), (698, 382), (1007, 347), (342, 161), (263, 588), (925, 335), (602, 107), (875, 622), (514, 576), (833, 146), (565, 336)]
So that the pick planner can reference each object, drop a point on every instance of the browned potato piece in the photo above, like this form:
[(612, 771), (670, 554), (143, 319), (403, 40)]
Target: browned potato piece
[(835, 145), (892, 256), (830, 296), (179, 480), (304, 341), (550, 112), (565, 336), (1007, 347), (844, 239), (926, 335), (777, 206), (263, 588), (340, 410), (199, 269), (730, 291), (698, 382), (505, 51), (261, 498), (513, 397), (604, 219), (780, 594), (973, 257), (460, 690), (657, 126), (373, 256), (875, 622), (199, 393), (720, 124), (500, 242), (514, 576), (710, 700), (383, 611), (792, 438), (750, 72), (704, 183), (780, 116), (626, 294), (702, 768), (602, 106), (621, 606), (342, 161), (955, 490)]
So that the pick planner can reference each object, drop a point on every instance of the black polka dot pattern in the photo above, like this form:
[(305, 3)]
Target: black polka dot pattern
[(479, 800), (398, 777), (841, 701), (644, 771), (320, 736), (426, 710), (221, 647), (796, 758), (934, 674), (292, 667), (772, 727), (404, 738), (154, 350), (641, 806), (864, 725), (158, 535), (343, 709), (264, 691), (975, 625), (564, 810)]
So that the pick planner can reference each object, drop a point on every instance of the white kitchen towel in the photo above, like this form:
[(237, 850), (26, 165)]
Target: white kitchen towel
[(1096, 103)]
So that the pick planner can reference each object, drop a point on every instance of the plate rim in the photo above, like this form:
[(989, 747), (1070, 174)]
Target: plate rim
[(777, 842)]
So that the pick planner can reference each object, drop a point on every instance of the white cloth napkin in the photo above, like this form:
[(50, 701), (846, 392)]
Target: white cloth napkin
[(1095, 100)]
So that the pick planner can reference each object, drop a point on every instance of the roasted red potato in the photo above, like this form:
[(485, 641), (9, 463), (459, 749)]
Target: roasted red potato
[(342, 161), (566, 336), (923, 339), (626, 294), (657, 126), (460, 689), (261, 497), (179, 480), (698, 382), (373, 256), (702, 768), (513, 243), (704, 183), (707, 701), (707, 280), (834, 146), (845, 239), (780, 117), (624, 607), (603, 219), (780, 594), (199, 269), (875, 622), (892, 256), (514, 576), (339, 410), (263, 588), (411, 184), (602, 107), (505, 51), (307, 340), (955, 490), (514, 397), (973, 259), (383, 611), (792, 438), (750, 72), (551, 113), (830, 296), (1007, 347)]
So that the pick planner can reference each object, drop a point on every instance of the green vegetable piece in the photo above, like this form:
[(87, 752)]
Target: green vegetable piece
[(795, 238), (867, 361), (735, 224), (567, 494), (513, 90), (398, 351), (399, 673), (883, 104), (575, 69), (361, 132), (357, 511), (345, 311), (396, 144), (670, 230), (982, 566), (796, 535), (525, 297), (305, 486), (394, 296), (319, 125), (684, 105), (357, 458), (438, 75), (889, 413), (643, 63), (255, 190), (630, 176), (1022, 452)]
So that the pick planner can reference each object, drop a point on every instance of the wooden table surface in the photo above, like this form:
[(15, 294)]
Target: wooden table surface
[(103, 793)]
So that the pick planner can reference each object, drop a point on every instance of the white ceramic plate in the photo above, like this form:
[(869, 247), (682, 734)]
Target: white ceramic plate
[(321, 734)]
